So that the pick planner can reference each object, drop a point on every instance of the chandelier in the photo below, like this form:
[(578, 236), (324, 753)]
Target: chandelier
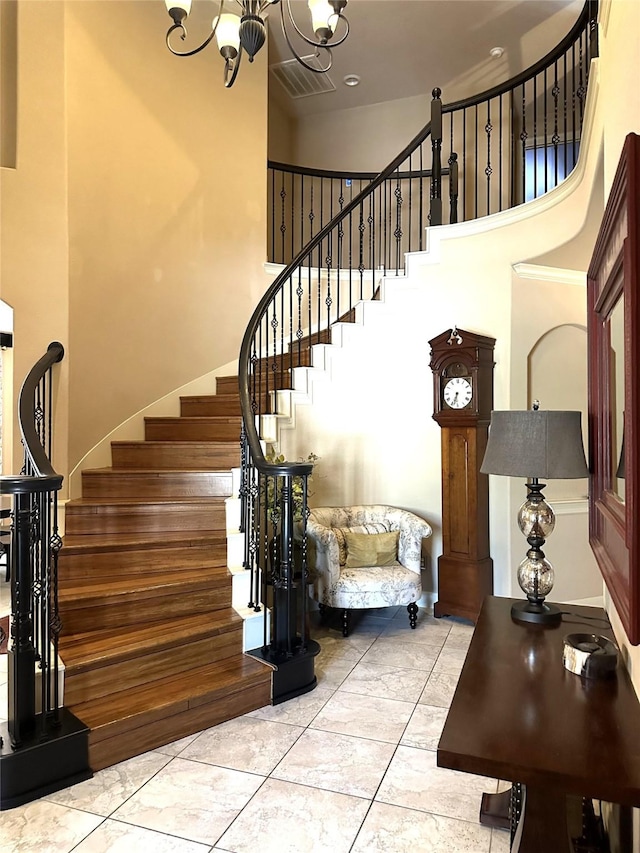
[(245, 33)]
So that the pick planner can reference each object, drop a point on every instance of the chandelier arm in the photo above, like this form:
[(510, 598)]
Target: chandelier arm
[(323, 68), (183, 35), (297, 56), (229, 81), (309, 41)]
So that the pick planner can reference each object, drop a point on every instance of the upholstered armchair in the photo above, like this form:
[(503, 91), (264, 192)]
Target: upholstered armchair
[(366, 556)]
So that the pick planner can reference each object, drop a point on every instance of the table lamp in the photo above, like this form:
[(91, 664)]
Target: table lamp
[(537, 445)]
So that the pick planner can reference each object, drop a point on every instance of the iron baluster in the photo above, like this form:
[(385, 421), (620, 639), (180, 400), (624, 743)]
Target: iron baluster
[(283, 226), (421, 193), (581, 88), (410, 204), (340, 248), (535, 141), (573, 100), (523, 138), (55, 544), (500, 119), (555, 91), (294, 247), (398, 229), (302, 240), (475, 168), (273, 215), (299, 330), (464, 164), (361, 249), (328, 299), (453, 188), (488, 128), (318, 267), (546, 164)]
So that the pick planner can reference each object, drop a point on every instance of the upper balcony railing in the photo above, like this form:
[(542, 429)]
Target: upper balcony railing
[(509, 144)]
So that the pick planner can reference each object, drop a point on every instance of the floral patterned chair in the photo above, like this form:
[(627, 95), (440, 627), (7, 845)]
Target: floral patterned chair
[(366, 556)]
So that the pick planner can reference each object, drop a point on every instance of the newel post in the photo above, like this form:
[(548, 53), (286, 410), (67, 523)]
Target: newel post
[(453, 188), (435, 209)]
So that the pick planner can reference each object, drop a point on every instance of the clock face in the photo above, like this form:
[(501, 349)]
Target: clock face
[(458, 392)]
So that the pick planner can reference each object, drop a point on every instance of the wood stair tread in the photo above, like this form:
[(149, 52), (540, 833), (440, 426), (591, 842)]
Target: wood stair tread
[(224, 398), (78, 542), (159, 471), (164, 442), (86, 591), (134, 501), (120, 712), (198, 419), (102, 648)]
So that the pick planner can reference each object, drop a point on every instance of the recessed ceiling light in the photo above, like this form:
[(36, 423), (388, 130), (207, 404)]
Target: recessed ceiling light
[(351, 80), (496, 52)]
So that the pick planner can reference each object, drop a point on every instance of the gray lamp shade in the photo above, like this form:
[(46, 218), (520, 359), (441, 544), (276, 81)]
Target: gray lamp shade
[(535, 443)]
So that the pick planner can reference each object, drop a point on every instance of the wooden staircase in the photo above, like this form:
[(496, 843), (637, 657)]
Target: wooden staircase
[(151, 644)]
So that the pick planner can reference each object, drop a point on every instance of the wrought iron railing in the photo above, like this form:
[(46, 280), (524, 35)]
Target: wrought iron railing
[(302, 201), (509, 144), (377, 222), (33, 673)]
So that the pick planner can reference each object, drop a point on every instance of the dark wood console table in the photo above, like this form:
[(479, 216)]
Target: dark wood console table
[(519, 715)]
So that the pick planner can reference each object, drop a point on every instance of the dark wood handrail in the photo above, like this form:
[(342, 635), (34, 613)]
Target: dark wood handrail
[(330, 174), (26, 411), (22, 484)]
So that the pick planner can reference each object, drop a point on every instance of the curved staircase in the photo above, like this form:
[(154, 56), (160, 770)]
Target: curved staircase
[(151, 644)]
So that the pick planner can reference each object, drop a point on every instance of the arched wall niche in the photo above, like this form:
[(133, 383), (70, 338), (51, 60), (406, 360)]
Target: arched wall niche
[(557, 377)]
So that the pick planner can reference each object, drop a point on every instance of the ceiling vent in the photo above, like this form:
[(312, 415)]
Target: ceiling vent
[(298, 81)]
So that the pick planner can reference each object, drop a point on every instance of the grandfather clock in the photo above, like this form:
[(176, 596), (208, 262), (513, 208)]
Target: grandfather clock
[(462, 365)]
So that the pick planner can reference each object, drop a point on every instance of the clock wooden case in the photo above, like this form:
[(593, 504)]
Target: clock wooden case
[(462, 364)]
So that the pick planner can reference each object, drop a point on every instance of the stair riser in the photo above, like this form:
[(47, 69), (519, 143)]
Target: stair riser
[(111, 565), (209, 407), (123, 610), (157, 484), (227, 385), (183, 456), (97, 682), (177, 429), (154, 731), (154, 518)]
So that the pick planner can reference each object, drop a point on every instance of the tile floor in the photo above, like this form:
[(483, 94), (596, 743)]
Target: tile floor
[(350, 766)]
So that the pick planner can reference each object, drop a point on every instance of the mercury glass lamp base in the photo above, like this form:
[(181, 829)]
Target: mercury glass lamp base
[(541, 614)]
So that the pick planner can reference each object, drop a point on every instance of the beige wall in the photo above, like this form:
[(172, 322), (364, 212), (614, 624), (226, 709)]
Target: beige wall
[(167, 206), (34, 278), (362, 139), (133, 228), (282, 128)]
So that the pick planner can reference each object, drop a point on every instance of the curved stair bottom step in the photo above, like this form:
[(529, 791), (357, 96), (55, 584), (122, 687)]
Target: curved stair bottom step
[(134, 721)]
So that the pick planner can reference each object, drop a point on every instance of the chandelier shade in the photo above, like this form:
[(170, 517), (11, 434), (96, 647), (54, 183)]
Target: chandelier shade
[(246, 33)]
